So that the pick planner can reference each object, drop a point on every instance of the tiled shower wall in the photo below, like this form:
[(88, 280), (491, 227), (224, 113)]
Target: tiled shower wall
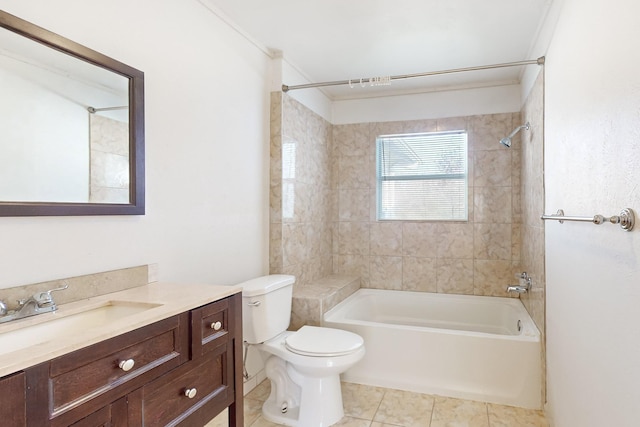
[(533, 204), (327, 222), (300, 191), (477, 257), (109, 143)]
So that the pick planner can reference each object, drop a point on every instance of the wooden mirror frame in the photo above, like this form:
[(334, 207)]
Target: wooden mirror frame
[(136, 205)]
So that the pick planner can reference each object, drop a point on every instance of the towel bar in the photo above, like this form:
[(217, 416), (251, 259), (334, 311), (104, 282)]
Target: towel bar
[(625, 218)]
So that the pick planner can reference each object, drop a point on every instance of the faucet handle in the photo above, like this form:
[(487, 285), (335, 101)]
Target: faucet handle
[(45, 297)]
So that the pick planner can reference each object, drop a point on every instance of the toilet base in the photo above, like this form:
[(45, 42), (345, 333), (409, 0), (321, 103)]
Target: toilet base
[(301, 401)]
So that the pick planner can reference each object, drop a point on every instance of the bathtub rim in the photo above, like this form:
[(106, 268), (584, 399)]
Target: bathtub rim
[(529, 332)]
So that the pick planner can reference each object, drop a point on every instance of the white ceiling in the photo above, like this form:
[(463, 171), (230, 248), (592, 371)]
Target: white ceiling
[(331, 40)]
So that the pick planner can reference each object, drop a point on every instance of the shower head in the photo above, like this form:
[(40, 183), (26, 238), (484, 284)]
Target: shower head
[(506, 141)]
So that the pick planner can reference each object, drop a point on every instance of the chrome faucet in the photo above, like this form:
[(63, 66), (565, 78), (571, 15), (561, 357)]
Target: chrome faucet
[(523, 286), (38, 303)]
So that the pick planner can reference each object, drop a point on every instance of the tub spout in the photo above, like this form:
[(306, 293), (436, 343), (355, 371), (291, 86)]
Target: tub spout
[(523, 286)]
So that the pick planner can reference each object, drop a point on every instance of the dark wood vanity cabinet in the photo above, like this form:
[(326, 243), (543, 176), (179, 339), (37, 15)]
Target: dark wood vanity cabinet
[(13, 406), (181, 371)]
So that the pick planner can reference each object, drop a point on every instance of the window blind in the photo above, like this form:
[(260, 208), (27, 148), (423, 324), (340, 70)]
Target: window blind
[(422, 176)]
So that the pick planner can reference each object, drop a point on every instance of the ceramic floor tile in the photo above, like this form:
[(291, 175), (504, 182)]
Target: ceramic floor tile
[(261, 422), (261, 392), (510, 416), (222, 420), (449, 412), (396, 408), (353, 422), (361, 401), (252, 410), (405, 409)]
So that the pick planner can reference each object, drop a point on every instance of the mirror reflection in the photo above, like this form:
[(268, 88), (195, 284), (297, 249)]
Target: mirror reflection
[(65, 127)]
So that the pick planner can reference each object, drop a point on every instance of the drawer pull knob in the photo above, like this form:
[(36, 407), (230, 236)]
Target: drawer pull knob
[(216, 326), (190, 393), (126, 365)]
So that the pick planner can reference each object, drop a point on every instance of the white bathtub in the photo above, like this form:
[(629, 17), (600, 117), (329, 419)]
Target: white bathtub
[(469, 347)]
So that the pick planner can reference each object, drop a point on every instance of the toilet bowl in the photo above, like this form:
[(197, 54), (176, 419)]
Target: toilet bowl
[(304, 366)]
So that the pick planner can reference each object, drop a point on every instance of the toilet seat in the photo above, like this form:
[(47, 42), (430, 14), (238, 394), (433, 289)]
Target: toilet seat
[(323, 342)]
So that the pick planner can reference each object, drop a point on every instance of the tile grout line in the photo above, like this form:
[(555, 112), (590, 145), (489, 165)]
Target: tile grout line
[(384, 393), (486, 405), (433, 409)]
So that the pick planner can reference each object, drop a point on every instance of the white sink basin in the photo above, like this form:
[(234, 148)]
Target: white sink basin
[(60, 324)]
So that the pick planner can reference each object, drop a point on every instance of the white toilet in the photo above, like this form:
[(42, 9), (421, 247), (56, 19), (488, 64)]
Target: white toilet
[(304, 366)]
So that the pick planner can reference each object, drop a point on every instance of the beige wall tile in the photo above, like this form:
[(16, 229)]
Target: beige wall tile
[(492, 168), (455, 240), (353, 139), (354, 204), (386, 238), (420, 239), (295, 244), (453, 123), (491, 277), (455, 276), (354, 171), (492, 204), (385, 272), (492, 241), (353, 265), (419, 126), (305, 311), (489, 129), (335, 195), (386, 128), (419, 274), (353, 238)]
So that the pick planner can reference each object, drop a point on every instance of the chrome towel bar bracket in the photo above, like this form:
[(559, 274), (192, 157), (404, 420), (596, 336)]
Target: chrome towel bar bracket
[(626, 218)]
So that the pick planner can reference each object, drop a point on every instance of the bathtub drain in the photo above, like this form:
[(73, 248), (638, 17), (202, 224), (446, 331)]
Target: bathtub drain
[(284, 407), (519, 325)]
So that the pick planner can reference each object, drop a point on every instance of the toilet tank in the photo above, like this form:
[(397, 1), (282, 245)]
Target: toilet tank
[(266, 307)]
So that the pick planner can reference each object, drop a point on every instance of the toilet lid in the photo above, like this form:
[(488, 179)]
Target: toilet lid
[(316, 341)]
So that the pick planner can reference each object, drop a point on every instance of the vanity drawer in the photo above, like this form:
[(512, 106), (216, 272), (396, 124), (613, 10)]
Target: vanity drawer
[(210, 327), (102, 370), (199, 390)]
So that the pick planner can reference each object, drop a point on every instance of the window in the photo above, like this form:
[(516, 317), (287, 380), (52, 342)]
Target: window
[(422, 176)]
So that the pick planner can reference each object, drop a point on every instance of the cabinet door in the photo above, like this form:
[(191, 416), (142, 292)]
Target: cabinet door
[(210, 327), (13, 410), (113, 415)]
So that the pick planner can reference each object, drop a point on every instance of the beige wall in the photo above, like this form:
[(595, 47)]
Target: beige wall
[(206, 124), (592, 159)]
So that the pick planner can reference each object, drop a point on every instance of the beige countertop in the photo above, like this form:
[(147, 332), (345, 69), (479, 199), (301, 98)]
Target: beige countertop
[(159, 300)]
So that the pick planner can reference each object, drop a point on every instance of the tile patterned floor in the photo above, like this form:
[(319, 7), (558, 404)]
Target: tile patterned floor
[(367, 406)]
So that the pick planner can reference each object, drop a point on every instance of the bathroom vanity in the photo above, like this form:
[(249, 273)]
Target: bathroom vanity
[(173, 356)]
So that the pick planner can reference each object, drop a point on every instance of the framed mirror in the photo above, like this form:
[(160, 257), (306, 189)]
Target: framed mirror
[(71, 127)]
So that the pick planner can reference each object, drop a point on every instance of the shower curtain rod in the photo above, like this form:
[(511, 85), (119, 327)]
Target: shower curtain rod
[(95, 110), (385, 80)]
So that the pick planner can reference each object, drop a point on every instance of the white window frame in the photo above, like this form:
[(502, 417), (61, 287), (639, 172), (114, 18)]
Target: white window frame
[(426, 148)]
